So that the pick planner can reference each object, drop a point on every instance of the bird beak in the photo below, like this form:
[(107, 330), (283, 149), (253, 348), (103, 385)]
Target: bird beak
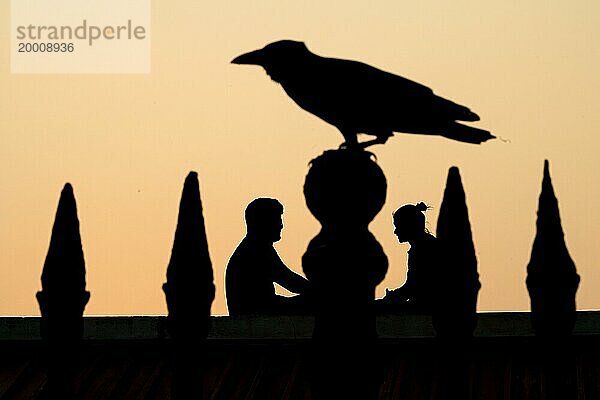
[(254, 58)]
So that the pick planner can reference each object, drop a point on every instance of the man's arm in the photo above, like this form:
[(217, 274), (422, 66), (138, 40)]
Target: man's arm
[(289, 279)]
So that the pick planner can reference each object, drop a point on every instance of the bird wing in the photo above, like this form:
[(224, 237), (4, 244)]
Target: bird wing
[(393, 94), (353, 96), (372, 78)]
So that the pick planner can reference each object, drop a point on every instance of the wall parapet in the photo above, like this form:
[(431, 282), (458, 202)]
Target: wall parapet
[(491, 324)]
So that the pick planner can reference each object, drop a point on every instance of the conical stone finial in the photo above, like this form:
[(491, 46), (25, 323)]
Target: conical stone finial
[(189, 289), (455, 310), (552, 279), (63, 296)]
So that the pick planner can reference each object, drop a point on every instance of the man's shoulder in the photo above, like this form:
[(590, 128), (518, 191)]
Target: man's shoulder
[(250, 251), (254, 247)]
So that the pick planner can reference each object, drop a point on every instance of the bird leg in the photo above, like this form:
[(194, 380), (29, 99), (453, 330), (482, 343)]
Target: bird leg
[(351, 141)]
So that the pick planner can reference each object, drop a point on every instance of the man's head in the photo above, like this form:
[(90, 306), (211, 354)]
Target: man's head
[(264, 219)]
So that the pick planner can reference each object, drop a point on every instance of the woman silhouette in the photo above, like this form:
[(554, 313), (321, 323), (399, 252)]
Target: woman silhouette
[(417, 293)]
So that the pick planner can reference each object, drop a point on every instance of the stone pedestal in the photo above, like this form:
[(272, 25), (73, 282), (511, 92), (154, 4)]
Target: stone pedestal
[(344, 190)]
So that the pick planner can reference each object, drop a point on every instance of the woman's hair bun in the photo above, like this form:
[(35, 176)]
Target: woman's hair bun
[(421, 206)]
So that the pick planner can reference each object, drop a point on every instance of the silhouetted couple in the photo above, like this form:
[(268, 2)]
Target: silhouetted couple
[(255, 266)]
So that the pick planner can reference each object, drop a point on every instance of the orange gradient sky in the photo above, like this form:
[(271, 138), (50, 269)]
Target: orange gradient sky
[(126, 142)]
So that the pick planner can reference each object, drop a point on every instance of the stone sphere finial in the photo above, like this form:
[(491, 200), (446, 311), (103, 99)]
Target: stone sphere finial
[(345, 187)]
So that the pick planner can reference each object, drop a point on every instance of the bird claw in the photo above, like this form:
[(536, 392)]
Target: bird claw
[(350, 146)]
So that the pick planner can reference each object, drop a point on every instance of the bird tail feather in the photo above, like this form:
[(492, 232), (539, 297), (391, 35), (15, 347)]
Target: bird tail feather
[(456, 111), (468, 134)]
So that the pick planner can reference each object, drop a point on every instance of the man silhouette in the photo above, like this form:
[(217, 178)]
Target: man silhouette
[(255, 265)]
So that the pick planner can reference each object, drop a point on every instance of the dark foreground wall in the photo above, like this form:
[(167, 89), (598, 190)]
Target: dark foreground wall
[(267, 358)]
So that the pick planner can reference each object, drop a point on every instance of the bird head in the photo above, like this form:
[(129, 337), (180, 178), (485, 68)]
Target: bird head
[(277, 58)]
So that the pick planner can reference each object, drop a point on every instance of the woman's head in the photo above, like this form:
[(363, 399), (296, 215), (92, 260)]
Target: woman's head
[(409, 222)]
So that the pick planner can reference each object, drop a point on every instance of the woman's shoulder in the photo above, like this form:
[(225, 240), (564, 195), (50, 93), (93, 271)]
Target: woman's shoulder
[(430, 237), (426, 244), (429, 241), (429, 244)]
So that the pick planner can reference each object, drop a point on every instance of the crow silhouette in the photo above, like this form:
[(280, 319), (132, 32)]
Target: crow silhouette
[(358, 98)]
